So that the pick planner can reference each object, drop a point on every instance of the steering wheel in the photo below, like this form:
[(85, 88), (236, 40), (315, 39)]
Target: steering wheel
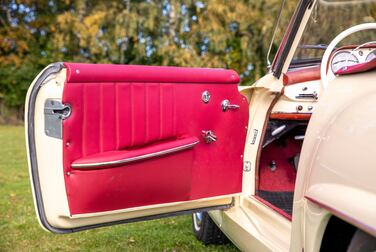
[(333, 44)]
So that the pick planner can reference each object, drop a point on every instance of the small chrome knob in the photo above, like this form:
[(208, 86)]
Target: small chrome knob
[(205, 97)]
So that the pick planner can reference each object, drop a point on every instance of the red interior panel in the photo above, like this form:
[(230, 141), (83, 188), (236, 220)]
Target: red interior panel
[(86, 73), (301, 75), (120, 109), (290, 116)]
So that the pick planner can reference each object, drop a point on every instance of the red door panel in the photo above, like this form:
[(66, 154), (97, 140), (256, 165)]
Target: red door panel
[(123, 111)]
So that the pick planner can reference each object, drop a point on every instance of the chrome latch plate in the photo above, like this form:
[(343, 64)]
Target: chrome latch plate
[(54, 114)]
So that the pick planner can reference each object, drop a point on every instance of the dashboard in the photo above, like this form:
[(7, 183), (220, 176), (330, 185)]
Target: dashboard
[(342, 57), (350, 56)]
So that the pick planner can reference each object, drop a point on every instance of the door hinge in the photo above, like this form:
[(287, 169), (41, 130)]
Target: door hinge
[(54, 114)]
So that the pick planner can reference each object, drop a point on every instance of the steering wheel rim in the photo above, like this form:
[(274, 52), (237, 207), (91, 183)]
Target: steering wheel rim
[(333, 44)]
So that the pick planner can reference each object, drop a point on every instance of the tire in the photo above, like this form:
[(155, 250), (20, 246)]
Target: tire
[(362, 242), (206, 230)]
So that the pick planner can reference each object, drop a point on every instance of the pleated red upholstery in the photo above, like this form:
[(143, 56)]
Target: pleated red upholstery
[(120, 107)]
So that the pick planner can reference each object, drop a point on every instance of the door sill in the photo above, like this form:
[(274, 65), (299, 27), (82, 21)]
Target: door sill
[(269, 226)]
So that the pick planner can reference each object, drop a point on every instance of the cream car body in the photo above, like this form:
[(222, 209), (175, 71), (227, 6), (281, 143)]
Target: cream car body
[(335, 174)]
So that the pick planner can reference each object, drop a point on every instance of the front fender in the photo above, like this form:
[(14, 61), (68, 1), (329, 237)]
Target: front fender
[(337, 168)]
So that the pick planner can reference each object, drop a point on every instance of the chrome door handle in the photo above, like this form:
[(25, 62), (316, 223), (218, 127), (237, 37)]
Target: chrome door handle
[(226, 105)]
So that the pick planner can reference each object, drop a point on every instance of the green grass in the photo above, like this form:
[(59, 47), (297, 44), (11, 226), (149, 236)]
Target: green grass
[(20, 231)]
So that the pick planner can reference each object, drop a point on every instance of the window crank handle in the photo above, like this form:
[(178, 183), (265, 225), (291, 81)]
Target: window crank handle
[(209, 136), (226, 105)]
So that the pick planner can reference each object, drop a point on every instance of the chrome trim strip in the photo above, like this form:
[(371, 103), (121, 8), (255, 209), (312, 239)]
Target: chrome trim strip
[(289, 37), (133, 159)]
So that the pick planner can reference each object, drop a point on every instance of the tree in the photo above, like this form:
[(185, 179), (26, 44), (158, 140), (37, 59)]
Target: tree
[(210, 33)]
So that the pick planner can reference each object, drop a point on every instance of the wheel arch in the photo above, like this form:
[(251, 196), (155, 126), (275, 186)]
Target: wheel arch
[(337, 235)]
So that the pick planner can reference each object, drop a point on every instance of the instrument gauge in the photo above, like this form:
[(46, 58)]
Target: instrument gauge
[(343, 59), (371, 55)]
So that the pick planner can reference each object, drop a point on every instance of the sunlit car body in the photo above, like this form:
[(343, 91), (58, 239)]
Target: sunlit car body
[(286, 164)]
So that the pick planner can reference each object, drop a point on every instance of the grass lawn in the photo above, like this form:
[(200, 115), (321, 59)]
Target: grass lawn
[(20, 231)]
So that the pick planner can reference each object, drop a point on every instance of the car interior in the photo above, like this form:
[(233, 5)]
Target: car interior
[(279, 163), (284, 134), (314, 63)]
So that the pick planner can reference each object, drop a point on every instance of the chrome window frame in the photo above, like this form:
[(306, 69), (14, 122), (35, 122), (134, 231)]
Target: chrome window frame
[(289, 37)]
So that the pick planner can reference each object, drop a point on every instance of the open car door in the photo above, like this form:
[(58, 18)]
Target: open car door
[(110, 144)]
